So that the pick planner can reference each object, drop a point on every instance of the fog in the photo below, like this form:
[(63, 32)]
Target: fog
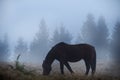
[(32, 27)]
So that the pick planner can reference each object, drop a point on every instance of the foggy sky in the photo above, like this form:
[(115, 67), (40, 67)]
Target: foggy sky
[(21, 18)]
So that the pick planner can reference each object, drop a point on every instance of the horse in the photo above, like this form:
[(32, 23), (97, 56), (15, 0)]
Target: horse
[(65, 53)]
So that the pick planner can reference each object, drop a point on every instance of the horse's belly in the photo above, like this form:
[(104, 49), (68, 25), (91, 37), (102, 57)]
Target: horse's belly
[(72, 59)]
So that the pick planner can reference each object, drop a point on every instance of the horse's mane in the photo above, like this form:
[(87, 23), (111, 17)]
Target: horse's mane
[(53, 49)]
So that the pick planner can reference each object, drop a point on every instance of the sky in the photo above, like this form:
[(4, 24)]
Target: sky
[(21, 18)]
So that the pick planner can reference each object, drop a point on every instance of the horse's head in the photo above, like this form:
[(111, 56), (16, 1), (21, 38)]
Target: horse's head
[(46, 68)]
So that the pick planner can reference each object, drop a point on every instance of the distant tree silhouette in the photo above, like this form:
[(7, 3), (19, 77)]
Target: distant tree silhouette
[(40, 44), (79, 38), (116, 42), (21, 47), (93, 33), (61, 35), (88, 31), (103, 33), (4, 49)]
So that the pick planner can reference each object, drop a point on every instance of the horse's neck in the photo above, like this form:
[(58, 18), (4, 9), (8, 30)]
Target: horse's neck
[(50, 56), (49, 59)]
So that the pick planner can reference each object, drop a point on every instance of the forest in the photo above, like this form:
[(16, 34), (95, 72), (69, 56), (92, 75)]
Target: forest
[(96, 34)]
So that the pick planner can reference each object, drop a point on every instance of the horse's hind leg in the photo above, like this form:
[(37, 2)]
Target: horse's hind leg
[(68, 66), (93, 64), (93, 67), (62, 68), (87, 67)]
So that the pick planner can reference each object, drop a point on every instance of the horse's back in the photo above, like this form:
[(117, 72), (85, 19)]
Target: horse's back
[(74, 49)]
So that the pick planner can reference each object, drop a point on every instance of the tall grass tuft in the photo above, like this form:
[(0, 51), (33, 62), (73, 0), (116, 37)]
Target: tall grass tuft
[(21, 67)]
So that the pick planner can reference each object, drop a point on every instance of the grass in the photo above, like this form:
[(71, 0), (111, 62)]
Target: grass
[(8, 74), (19, 71)]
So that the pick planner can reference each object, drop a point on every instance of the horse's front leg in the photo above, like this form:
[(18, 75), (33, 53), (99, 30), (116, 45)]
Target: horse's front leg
[(62, 68), (68, 66)]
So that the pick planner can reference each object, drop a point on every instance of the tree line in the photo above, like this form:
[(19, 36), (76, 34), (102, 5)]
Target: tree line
[(95, 33)]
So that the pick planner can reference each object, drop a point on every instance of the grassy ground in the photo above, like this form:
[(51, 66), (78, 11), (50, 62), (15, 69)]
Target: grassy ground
[(8, 73)]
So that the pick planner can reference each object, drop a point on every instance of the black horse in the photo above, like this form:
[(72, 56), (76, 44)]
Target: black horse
[(65, 53)]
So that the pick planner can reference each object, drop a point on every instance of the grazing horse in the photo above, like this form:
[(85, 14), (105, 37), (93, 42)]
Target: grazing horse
[(65, 53)]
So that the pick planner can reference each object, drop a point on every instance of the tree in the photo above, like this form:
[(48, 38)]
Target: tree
[(102, 33), (79, 39), (4, 49), (61, 35), (21, 47), (89, 31), (115, 46), (40, 44), (116, 42)]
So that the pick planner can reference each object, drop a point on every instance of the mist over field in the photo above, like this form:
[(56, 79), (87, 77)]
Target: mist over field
[(32, 27)]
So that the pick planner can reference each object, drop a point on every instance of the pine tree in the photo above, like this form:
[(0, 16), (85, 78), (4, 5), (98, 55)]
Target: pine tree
[(61, 35), (21, 47), (4, 49), (40, 45), (103, 34), (116, 42), (89, 31)]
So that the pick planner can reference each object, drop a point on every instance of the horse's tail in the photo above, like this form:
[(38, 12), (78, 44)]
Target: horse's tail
[(93, 64)]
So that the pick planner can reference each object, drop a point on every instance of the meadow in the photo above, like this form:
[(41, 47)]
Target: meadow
[(28, 72)]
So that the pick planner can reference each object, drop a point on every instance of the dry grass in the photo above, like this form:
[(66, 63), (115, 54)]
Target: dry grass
[(27, 72), (6, 73)]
